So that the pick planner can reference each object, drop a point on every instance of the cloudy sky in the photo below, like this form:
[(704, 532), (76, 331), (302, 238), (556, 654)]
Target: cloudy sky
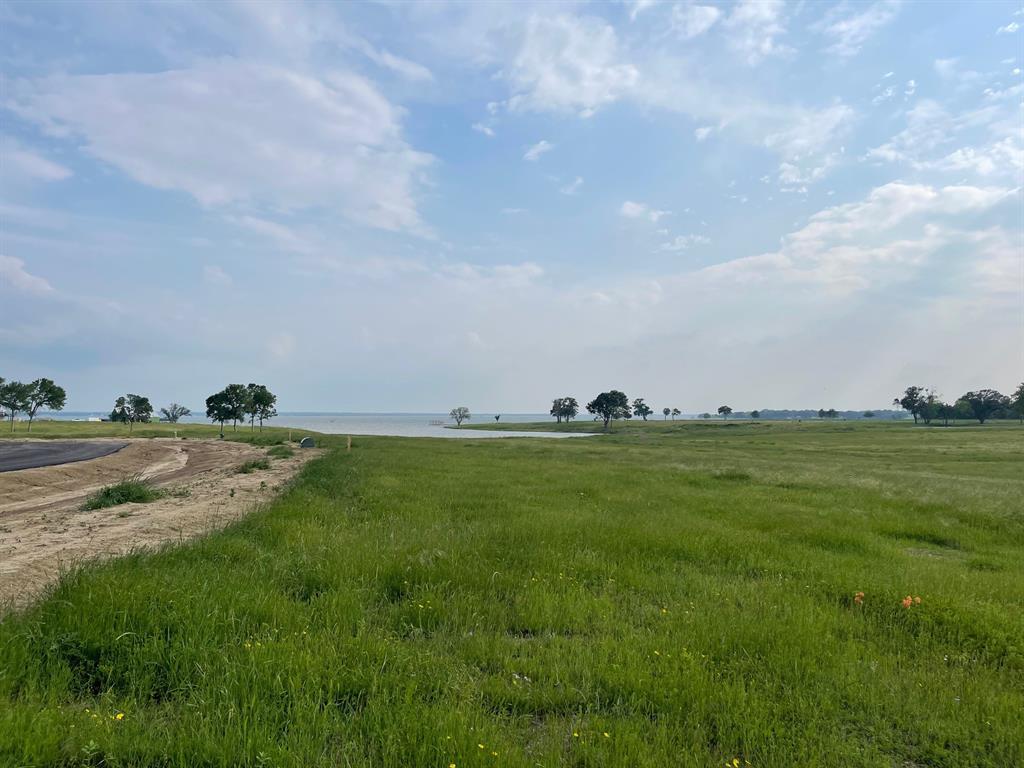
[(396, 206)]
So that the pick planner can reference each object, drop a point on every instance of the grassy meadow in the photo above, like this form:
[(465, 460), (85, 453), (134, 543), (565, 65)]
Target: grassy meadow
[(670, 594)]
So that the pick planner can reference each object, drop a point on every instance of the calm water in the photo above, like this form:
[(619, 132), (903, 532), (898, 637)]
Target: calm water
[(393, 424)]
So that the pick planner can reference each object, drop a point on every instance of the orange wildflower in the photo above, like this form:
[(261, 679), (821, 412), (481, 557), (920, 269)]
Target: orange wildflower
[(907, 601), (858, 598)]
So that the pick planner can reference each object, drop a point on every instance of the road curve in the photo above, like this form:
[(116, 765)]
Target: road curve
[(46, 453)]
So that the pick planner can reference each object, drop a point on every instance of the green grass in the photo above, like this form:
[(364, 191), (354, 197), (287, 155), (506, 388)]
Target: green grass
[(280, 452), (250, 466), (686, 589), (52, 429), (133, 490)]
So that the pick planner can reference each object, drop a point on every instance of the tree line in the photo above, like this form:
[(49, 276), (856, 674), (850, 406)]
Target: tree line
[(17, 397), (927, 405), (236, 402)]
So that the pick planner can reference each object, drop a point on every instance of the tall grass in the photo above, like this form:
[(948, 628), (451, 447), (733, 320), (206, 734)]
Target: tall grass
[(685, 597), (134, 490)]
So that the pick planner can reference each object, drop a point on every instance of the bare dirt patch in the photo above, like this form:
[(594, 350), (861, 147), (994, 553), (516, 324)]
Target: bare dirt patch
[(43, 528)]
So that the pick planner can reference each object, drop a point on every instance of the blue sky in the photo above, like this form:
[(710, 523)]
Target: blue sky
[(391, 206)]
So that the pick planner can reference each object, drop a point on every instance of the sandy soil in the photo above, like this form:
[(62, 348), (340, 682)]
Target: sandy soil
[(43, 529)]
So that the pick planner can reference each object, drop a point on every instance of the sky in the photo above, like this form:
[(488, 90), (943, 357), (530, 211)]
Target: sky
[(407, 207)]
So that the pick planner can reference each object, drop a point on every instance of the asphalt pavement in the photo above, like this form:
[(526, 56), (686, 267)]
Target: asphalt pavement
[(46, 453)]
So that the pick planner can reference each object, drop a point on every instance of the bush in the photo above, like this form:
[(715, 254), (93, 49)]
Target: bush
[(133, 490), (281, 452), (252, 465)]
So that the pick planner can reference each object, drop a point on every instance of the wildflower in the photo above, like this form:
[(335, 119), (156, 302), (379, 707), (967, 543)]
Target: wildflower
[(907, 601), (575, 734), (664, 611), (451, 765), (917, 601), (859, 598), (481, 746), (494, 754), (607, 735), (736, 762)]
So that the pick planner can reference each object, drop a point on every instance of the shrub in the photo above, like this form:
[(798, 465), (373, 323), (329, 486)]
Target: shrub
[(252, 465), (133, 490), (281, 452)]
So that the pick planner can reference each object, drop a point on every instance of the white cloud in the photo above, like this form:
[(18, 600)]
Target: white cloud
[(684, 242), (850, 32), (235, 133), (282, 236), (927, 142), (572, 187), (639, 6), (534, 152), (483, 128), (633, 210), (407, 69), (215, 276), (14, 275), (896, 229), (568, 64), (703, 132), (755, 27), (20, 163), (1009, 29), (910, 88), (689, 21), (513, 211)]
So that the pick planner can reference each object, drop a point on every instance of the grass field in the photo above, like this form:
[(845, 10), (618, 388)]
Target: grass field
[(672, 594), (43, 429)]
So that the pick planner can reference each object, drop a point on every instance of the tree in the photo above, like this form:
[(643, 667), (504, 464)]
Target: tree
[(675, 412), (1017, 402), (460, 415), (705, 415), (945, 411), (724, 411), (173, 412), (912, 401), (984, 403), (609, 405), (556, 408), (14, 397), (43, 393), (642, 409), (220, 409), (869, 414), (755, 414), (564, 408), (130, 409), (259, 404), (665, 412), (570, 408)]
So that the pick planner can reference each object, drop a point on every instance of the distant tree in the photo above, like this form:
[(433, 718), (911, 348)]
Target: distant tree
[(130, 409), (755, 414), (724, 411), (14, 397), (641, 409), (912, 402), (220, 409), (869, 414), (564, 408), (1017, 402), (705, 415), (609, 405), (984, 403), (675, 412), (556, 408), (497, 417), (665, 412), (259, 404), (945, 411), (831, 413), (173, 412), (460, 414), (43, 393)]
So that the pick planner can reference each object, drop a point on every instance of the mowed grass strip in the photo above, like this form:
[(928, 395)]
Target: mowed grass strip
[(683, 596)]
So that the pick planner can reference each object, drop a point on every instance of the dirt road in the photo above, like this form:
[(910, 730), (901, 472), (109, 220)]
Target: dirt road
[(43, 528)]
